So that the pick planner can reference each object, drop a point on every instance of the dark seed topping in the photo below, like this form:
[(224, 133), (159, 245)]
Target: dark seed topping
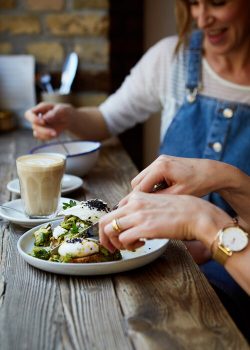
[(74, 240), (97, 204)]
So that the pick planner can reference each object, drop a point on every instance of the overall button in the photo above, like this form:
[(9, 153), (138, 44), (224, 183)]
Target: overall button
[(191, 95), (217, 147), (228, 113), (191, 98)]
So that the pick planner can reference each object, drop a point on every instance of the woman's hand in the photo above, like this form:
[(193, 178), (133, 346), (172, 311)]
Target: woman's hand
[(192, 176), (148, 216), (49, 120), (196, 177)]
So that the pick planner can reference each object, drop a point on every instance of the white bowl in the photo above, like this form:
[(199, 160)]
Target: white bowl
[(81, 158)]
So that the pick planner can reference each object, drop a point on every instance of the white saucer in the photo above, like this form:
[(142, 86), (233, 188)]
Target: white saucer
[(20, 218), (69, 184)]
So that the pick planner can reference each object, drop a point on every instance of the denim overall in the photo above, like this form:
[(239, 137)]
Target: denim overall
[(206, 127)]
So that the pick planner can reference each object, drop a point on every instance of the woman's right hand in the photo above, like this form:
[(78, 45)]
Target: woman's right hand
[(48, 120)]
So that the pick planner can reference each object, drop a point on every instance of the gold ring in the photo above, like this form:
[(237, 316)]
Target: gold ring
[(116, 226)]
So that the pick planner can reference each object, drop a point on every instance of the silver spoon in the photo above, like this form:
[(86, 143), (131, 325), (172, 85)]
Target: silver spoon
[(64, 146), (40, 116)]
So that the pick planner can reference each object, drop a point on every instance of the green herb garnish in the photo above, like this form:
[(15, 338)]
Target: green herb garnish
[(69, 205), (74, 229)]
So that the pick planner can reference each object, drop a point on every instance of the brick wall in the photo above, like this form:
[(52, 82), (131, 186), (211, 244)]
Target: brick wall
[(106, 34), (50, 29)]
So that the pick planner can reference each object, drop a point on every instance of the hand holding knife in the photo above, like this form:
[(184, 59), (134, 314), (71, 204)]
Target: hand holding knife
[(93, 230)]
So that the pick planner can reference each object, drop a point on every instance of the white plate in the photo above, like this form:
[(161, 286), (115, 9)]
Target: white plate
[(69, 184), (20, 218), (130, 260)]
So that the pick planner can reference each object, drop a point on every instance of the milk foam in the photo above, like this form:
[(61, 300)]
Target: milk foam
[(41, 160)]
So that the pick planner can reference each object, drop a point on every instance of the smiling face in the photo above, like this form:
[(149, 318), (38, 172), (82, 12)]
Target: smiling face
[(225, 23)]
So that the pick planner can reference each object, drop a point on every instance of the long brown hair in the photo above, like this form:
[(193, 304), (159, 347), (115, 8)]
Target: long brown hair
[(183, 20)]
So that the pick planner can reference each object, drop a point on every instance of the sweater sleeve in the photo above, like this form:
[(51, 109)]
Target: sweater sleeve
[(142, 91)]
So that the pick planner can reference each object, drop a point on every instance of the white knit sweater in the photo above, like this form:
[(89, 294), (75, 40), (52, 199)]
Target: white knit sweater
[(157, 83)]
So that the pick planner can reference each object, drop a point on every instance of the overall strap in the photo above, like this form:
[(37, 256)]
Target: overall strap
[(194, 57)]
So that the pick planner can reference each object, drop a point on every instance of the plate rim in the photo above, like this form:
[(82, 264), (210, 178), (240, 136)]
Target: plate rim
[(82, 269)]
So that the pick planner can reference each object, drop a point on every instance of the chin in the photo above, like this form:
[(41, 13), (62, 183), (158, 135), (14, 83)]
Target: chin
[(220, 49)]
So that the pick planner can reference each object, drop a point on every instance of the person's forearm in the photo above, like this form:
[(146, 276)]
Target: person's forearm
[(88, 123), (207, 229), (236, 192), (238, 266)]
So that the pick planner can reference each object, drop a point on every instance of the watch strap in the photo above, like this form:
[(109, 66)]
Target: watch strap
[(221, 254)]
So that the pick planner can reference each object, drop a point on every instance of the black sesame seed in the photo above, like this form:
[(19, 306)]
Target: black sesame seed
[(97, 204), (74, 240)]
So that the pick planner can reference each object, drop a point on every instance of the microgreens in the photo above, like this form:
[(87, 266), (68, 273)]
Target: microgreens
[(69, 205)]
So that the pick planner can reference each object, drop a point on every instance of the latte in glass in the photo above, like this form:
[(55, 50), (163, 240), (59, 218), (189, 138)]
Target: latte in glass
[(40, 177)]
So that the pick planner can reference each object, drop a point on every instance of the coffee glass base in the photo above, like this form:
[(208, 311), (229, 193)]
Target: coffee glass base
[(51, 216)]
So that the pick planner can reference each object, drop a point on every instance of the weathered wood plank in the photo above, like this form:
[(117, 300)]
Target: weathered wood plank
[(171, 311)]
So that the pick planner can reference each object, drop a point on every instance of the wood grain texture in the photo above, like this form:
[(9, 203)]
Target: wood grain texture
[(175, 308), (165, 305)]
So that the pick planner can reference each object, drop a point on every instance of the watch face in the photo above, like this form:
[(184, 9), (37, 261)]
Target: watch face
[(234, 238)]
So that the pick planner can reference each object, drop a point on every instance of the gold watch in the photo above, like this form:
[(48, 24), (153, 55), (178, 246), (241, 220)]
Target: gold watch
[(228, 240)]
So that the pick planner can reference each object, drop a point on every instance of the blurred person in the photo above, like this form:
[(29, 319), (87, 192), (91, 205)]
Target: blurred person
[(200, 80)]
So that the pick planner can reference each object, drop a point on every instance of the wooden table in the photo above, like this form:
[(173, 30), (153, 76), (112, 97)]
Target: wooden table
[(165, 305)]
